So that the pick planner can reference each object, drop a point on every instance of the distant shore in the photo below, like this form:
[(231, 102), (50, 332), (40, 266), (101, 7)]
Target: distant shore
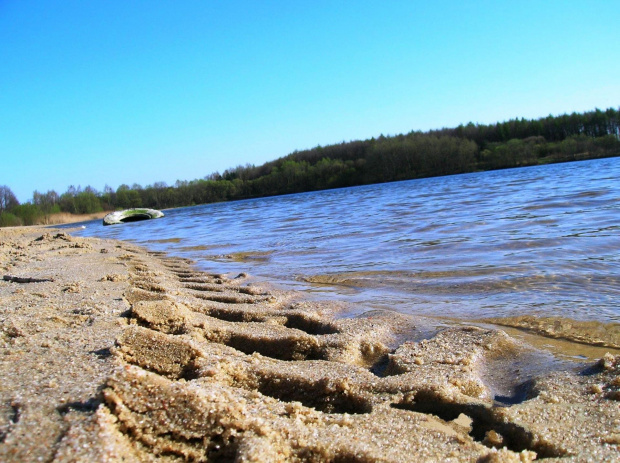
[(62, 218), (109, 352), (415, 155)]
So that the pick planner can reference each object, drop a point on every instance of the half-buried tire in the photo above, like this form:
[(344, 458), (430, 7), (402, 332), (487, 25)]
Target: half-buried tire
[(131, 215)]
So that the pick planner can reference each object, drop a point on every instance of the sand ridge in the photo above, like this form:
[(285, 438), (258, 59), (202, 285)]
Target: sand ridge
[(130, 355)]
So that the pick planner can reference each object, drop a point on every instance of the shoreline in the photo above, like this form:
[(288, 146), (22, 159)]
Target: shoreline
[(130, 354)]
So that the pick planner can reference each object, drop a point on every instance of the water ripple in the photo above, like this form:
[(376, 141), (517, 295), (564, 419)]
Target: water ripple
[(541, 240)]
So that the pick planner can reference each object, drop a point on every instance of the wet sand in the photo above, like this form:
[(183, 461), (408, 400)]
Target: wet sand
[(109, 352)]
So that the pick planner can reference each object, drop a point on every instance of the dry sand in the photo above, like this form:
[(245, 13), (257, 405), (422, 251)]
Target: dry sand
[(111, 353)]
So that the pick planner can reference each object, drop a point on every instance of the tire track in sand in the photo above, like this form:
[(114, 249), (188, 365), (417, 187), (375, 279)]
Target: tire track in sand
[(213, 369)]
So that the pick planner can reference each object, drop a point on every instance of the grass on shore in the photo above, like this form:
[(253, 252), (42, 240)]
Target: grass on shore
[(65, 217)]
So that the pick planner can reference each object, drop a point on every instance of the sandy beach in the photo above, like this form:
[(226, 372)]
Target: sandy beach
[(109, 352)]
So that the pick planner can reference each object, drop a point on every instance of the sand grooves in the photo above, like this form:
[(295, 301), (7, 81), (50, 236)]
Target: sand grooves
[(213, 369), (210, 368)]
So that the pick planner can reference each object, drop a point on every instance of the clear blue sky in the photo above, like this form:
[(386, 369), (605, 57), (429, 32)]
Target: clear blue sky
[(110, 92)]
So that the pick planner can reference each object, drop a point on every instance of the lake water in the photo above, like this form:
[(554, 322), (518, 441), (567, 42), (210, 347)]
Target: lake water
[(540, 240)]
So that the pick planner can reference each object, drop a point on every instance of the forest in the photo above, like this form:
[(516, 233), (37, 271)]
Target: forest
[(447, 151)]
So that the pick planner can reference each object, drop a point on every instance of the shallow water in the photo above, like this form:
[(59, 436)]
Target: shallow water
[(540, 240)]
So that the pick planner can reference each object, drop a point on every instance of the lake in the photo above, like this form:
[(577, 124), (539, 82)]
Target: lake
[(541, 240)]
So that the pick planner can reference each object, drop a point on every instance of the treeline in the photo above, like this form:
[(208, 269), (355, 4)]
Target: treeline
[(466, 148)]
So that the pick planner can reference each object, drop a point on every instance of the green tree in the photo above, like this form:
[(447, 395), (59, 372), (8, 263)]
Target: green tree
[(87, 201), (134, 198), (28, 213), (48, 203), (9, 220), (122, 197)]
